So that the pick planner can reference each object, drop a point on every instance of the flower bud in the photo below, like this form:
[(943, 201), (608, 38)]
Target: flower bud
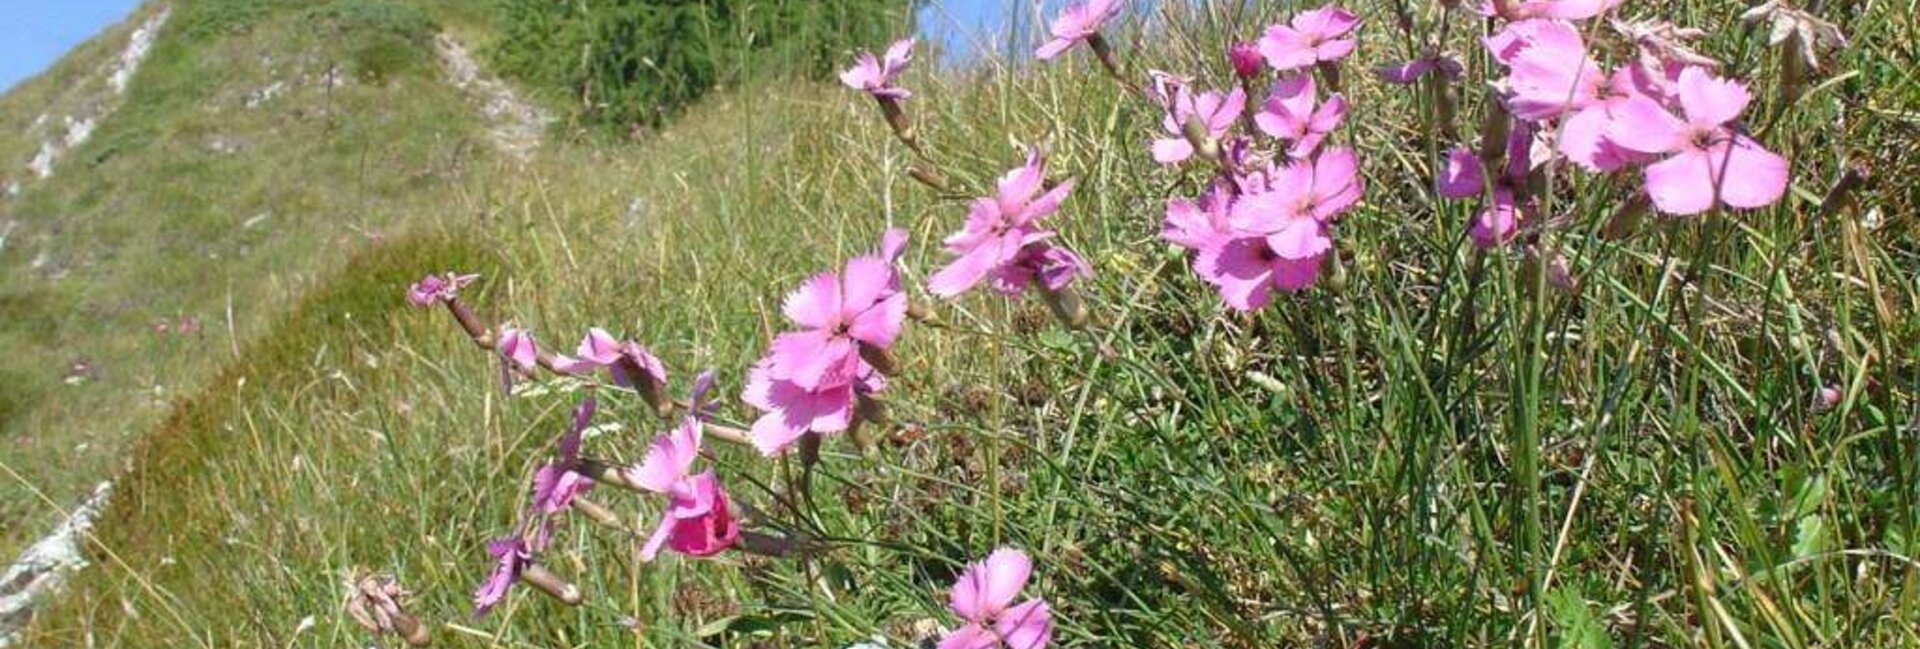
[(543, 580), (928, 177), (1203, 143), (897, 120), (1246, 59), (881, 358), (1066, 305)]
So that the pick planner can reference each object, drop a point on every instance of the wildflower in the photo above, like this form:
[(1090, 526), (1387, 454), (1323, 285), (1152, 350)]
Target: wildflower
[(1281, 236), (630, 364), (875, 76), (1198, 224), (1828, 398), (1312, 37), (1660, 41), (1582, 136), (513, 562), (1246, 60), (1294, 113), (378, 603), (1462, 176), (1516, 10), (1215, 113), (1550, 72), (516, 346), (998, 228), (840, 314), (1801, 37), (983, 597), (434, 289), (1707, 161), (790, 412), (1443, 64), (1080, 22)]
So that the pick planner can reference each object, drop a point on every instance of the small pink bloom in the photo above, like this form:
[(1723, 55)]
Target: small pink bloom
[(1443, 64), (516, 345), (1462, 177), (1294, 113), (838, 313), (1075, 24), (510, 555), (1582, 137), (1559, 9), (1198, 224), (1707, 161), (696, 521), (983, 597), (1310, 38), (1496, 223), (790, 411), (1216, 111), (1246, 60), (433, 289), (998, 228), (875, 76), (1045, 264)]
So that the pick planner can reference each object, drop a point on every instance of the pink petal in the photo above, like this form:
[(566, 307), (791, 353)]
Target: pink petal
[(1682, 184), (1172, 150), (1242, 269), (1286, 49), (1053, 48), (1708, 101), (1336, 183), (1027, 626), (1750, 176), (971, 636), (1047, 203), (881, 323), (1462, 176), (1640, 124), (966, 272), (816, 304), (1293, 275), (1300, 239)]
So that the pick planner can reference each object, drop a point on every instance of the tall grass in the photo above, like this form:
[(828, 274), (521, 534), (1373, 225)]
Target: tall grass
[(1435, 451)]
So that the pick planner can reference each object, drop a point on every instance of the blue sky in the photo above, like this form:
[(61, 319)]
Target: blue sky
[(34, 33)]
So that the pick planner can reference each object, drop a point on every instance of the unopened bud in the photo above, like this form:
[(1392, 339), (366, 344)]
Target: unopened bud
[(881, 358), (1203, 143), (920, 312), (1067, 306), (1494, 128), (543, 580), (598, 513), (897, 120), (410, 629), (1626, 219), (928, 177)]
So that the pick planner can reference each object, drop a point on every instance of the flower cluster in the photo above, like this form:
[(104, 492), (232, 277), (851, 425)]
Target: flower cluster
[(1004, 244), (1265, 221)]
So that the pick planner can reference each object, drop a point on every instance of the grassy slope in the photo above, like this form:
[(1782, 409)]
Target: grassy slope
[(1171, 494), (148, 222)]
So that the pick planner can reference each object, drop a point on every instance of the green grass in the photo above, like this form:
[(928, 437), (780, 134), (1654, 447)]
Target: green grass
[(1408, 457)]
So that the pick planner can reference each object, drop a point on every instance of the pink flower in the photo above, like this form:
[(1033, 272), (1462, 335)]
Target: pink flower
[(510, 556), (1246, 60), (1462, 177), (790, 411), (1550, 72), (838, 313), (433, 289), (516, 346), (1195, 225), (1707, 161), (1279, 237), (1050, 266), (1075, 24), (1312, 37), (983, 597), (998, 228), (1560, 9), (875, 76), (1443, 64), (1291, 114), (1216, 111), (630, 363), (1583, 134), (695, 521)]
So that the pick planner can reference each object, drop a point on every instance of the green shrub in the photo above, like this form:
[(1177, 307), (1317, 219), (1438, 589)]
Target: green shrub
[(640, 61)]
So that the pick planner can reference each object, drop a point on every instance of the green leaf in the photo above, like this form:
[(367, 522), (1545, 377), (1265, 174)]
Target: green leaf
[(1567, 609), (1811, 537)]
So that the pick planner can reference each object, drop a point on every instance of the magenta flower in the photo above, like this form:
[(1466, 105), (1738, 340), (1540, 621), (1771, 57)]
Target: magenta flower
[(1246, 60), (998, 228), (1462, 176), (983, 597), (1294, 113), (1708, 161), (631, 364), (790, 411), (838, 313), (510, 555), (1279, 237), (1312, 37), (1559, 9), (434, 289), (1443, 64), (696, 520), (875, 76), (1045, 264), (516, 346), (1583, 135), (1215, 111), (1200, 224), (1075, 24)]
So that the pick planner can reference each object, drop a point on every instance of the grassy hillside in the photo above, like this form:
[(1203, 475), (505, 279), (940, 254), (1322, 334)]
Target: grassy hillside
[(1337, 469)]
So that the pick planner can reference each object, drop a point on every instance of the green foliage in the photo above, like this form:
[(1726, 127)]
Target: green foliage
[(640, 61), (385, 37), (209, 18)]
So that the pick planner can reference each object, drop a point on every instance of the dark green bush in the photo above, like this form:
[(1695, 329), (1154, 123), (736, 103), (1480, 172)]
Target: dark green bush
[(382, 37), (628, 62)]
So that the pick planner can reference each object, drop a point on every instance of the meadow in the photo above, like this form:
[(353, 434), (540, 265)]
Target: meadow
[(1593, 431)]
